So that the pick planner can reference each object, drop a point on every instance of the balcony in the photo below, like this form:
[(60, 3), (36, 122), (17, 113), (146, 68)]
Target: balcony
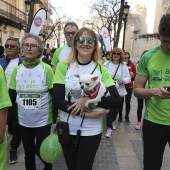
[(12, 16)]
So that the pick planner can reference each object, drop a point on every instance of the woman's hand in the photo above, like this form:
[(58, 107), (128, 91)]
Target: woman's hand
[(95, 114), (132, 74), (53, 128), (78, 105), (120, 81)]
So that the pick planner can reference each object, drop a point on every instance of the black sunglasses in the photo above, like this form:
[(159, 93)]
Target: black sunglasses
[(116, 53), (70, 33), (126, 57), (81, 40), (10, 46)]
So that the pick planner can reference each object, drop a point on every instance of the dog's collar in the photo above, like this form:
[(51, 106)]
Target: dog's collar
[(93, 93)]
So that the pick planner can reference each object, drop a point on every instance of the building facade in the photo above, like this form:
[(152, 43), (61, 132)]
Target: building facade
[(14, 17), (142, 27)]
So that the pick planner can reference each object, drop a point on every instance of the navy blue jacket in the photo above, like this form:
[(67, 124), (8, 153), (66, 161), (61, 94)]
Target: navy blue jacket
[(5, 61)]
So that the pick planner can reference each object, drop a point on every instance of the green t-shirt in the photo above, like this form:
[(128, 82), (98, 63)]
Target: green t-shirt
[(61, 53), (154, 65), (4, 96), (4, 102)]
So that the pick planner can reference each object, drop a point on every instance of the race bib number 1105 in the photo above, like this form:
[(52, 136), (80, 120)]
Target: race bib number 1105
[(29, 101)]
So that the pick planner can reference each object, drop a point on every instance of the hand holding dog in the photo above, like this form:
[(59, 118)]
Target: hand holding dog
[(78, 105), (95, 114)]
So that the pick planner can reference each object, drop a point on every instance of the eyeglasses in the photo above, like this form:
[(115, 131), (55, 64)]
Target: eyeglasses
[(10, 46), (30, 46), (116, 53), (126, 57), (70, 33), (81, 40)]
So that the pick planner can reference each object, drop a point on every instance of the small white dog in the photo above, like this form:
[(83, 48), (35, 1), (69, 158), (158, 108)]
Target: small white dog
[(93, 88)]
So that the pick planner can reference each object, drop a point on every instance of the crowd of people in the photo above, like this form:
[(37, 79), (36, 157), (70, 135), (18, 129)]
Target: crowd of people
[(38, 87)]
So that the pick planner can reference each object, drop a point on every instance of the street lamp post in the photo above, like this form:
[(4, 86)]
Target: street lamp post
[(59, 29), (30, 11), (124, 17)]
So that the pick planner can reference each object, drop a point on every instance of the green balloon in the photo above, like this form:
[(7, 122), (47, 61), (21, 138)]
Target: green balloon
[(50, 149)]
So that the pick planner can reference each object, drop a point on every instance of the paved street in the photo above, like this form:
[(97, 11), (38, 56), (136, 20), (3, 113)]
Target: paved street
[(121, 152)]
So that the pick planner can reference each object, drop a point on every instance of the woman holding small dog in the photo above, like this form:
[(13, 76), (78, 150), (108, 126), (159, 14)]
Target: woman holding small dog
[(85, 128), (120, 73)]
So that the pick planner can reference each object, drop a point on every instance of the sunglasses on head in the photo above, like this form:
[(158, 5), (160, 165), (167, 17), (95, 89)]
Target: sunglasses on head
[(10, 46), (114, 53), (126, 57), (81, 40)]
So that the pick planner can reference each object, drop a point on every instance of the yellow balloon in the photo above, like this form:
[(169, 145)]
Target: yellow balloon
[(50, 149)]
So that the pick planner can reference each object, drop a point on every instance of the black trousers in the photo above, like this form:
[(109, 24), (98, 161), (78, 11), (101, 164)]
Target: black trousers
[(155, 138), (112, 115), (139, 109), (32, 139), (128, 97), (13, 127), (83, 158)]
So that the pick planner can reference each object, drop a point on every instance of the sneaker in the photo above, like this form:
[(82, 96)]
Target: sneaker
[(48, 167), (108, 133), (120, 119), (13, 158), (138, 125), (113, 126), (127, 121)]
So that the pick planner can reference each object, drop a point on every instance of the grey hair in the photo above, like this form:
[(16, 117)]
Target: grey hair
[(14, 39), (39, 42)]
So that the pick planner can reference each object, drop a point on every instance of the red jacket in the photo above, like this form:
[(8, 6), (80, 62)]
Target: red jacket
[(132, 68)]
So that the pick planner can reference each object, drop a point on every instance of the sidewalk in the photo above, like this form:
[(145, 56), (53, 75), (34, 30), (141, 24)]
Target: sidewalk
[(121, 152)]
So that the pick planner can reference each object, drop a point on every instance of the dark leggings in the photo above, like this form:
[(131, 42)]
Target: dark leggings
[(111, 117), (84, 157), (155, 138), (139, 109), (32, 139), (13, 127), (128, 97)]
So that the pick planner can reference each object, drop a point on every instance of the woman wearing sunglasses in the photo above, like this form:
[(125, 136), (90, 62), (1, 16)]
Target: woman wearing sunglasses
[(120, 73), (84, 58), (129, 89)]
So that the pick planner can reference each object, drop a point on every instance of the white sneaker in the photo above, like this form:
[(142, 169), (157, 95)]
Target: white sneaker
[(113, 126), (108, 133)]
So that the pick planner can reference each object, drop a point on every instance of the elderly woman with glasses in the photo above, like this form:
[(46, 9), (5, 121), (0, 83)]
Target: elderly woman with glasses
[(119, 72), (84, 58), (31, 87)]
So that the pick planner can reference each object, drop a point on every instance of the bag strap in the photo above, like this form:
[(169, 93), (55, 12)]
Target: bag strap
[(116, 70), (94, 69)]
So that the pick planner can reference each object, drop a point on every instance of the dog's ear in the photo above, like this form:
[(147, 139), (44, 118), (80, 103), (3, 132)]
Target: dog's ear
[(94, 78), (77, 75)]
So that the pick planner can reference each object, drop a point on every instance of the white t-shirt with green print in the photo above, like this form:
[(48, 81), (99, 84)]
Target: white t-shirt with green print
[(65, 75), (33, 99)]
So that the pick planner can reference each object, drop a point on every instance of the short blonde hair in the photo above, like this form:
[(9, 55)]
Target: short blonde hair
[(118, 50), (74, 53)]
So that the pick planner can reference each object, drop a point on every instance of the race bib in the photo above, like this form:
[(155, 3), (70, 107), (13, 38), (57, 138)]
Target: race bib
[(29, 101)]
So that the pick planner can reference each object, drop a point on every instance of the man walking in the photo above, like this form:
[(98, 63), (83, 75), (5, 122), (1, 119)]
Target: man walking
[(63, 52), (154, 69), (11, 60)]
